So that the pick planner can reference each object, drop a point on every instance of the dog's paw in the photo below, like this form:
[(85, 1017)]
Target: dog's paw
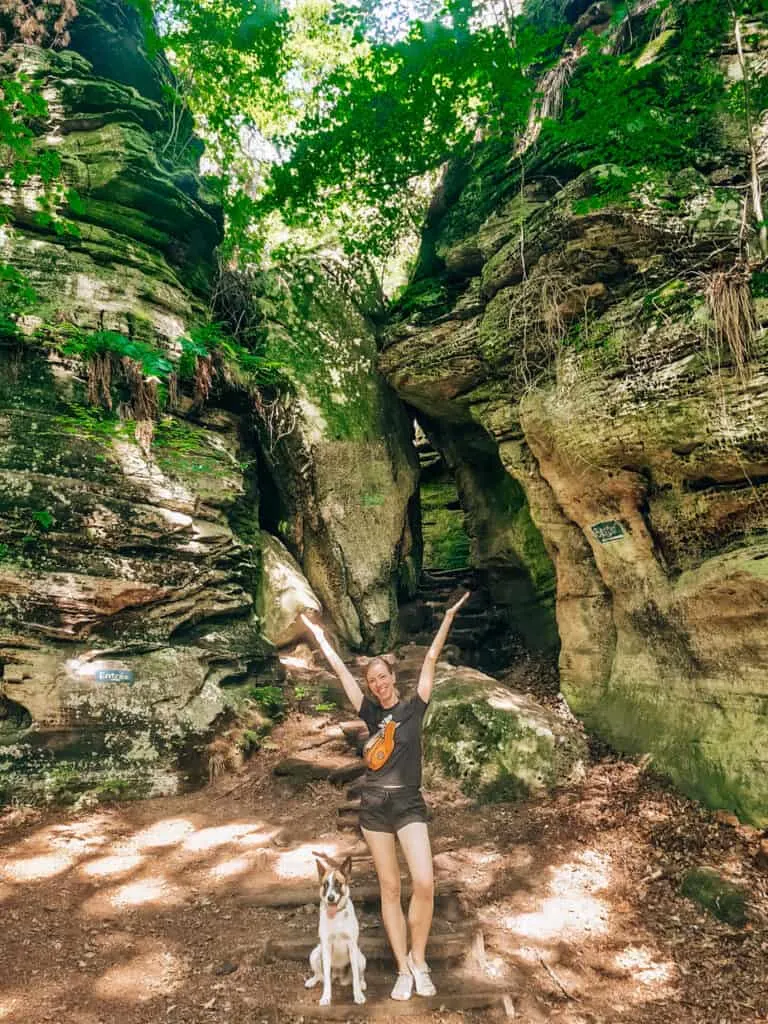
[(325, 1000), (359, 998), (311, 982)]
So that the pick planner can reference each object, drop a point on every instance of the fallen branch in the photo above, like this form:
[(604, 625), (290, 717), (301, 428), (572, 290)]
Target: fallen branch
[(555, 978)]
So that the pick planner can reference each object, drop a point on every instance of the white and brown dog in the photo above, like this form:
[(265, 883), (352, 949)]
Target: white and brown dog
[(337, 955)]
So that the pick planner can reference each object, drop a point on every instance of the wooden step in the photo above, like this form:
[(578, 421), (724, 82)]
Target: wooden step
[(336, 768), (352, 730), (352, 807), (363, 891), (376, 947), (381, 1007)]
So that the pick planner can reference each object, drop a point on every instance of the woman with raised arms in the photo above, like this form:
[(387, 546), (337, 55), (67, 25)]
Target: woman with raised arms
[(391, 801)]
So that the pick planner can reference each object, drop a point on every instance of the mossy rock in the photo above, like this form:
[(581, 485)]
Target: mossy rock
[(713, 892), (499, 743)]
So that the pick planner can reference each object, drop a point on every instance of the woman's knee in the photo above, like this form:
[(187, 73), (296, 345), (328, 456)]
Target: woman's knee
[(423, 887), (390, 889)]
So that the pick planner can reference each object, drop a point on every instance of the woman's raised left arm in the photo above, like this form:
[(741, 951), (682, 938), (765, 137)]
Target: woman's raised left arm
[(427, 675)]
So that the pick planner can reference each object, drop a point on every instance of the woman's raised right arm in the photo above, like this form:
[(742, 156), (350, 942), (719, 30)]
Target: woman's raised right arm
[(348, 681)]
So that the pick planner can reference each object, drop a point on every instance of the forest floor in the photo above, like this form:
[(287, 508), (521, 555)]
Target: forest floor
[(176, 909)]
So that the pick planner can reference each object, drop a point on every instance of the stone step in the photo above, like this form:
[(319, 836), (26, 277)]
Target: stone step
[(438, 575), (376, 947), (379, 1006), (335, 768), (353, 729), (364, 891)]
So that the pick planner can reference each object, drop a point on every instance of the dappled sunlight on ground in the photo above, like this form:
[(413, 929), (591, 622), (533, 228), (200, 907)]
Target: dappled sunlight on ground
[(116, 864), (154, 973), (230, 868), (147, 890), (645, 966), (35, 869), (569, 909), (147, 913), (300, 862), (162, 834)]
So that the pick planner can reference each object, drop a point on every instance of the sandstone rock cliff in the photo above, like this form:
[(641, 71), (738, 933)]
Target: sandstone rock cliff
[(127, 569), (582, 336)]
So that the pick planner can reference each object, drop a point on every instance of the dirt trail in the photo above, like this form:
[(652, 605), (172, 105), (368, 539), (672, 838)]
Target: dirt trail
[(153, 912)]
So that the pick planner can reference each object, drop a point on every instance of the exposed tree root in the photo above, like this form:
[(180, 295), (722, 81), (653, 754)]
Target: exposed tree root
[(733, 314)]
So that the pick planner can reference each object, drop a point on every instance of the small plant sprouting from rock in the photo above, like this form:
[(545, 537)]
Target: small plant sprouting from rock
[(271, 700)]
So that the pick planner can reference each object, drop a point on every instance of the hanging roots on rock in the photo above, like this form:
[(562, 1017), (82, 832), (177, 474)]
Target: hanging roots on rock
[(279, 417), (203, 379), (144, 399), (173, 390), (99, 370), (225, 754), (550, 94), (38, 24), (733, 314), (144, 433)]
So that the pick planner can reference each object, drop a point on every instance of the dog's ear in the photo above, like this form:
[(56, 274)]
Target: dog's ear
[(321, 869), (346, 867)]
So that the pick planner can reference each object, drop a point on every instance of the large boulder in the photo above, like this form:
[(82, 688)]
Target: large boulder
[(340, 452), (500, 743)]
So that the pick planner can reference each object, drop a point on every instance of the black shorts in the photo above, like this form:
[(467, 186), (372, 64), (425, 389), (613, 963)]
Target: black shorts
[(389, 810)]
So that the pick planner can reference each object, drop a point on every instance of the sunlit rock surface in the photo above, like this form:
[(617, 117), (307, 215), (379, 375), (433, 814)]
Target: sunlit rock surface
[(284, 594)]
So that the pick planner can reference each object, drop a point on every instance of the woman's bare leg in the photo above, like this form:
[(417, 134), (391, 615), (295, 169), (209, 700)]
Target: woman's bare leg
[(414, 839), (384, 853)]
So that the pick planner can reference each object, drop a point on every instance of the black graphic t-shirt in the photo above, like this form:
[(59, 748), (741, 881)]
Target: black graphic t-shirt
[(404, 765)]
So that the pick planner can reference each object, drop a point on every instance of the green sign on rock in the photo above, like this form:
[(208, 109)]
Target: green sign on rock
[(608, 530)]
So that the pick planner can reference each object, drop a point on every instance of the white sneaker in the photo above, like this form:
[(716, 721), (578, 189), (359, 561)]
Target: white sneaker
[(403, 987), (424, 984)]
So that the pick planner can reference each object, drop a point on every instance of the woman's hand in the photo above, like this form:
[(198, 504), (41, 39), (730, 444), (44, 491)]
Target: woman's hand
[(452, 609), (427, 674)]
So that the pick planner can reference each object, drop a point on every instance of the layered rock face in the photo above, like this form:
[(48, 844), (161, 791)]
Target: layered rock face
[(136, 610), (140, 261), (340, 453), (128, 570), (127, 587), (579, 336)]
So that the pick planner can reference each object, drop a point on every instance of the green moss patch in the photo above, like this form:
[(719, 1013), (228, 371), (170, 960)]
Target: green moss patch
[(722, 898), (501, 745), (446, 544)]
